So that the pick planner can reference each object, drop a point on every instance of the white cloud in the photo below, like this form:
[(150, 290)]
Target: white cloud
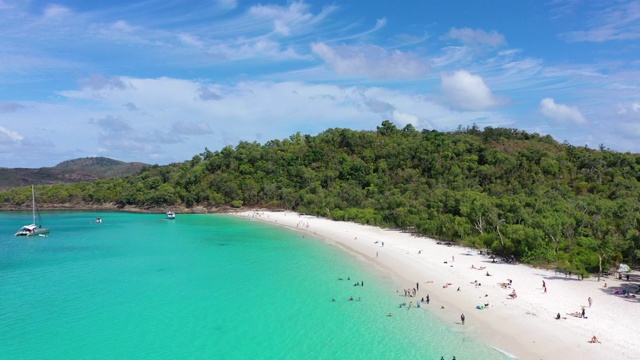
[(10, 107), (114, 125), (289, 20), (191, 40), (192, 128), (259, 48), (11, 134), (624, 109), (609, 21), (468, 91), (99, 82), (5, 6), (226, 4), (405, 118), (561, 112), (478, 36), (371, 62), (123, 26), (55, 11), (131, 106), (205, 94), (173, 122), (378, 106)]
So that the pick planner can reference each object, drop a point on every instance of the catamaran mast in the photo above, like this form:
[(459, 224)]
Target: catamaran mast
[(33, 203)]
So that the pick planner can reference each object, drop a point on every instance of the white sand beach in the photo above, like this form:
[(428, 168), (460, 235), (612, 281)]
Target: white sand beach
[(526, 326)]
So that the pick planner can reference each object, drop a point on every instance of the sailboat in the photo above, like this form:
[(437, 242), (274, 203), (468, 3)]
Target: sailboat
[(36, 227)]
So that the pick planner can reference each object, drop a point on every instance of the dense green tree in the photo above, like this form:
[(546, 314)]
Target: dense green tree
[(516, 193)]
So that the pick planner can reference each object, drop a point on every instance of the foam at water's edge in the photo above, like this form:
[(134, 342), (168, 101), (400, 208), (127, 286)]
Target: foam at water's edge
[(511, 356)]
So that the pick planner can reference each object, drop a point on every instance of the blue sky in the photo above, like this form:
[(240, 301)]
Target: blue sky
[(158, 81)]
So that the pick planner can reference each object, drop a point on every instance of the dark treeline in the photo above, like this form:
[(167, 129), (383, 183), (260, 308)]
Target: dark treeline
[(501, 189)]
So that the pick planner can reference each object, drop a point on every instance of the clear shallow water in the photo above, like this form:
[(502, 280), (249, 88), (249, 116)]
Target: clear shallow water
[(138, 286)]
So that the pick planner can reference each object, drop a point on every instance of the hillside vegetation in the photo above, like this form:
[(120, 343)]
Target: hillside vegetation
[(506, 190), (84, 169)]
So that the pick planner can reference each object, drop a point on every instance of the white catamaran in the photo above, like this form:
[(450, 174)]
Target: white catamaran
[(35, 228)]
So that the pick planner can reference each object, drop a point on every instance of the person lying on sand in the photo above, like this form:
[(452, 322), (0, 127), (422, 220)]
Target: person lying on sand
[(558, 317), (594, 340)]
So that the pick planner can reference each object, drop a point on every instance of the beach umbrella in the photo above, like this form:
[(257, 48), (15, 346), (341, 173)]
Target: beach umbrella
[(623, 268)]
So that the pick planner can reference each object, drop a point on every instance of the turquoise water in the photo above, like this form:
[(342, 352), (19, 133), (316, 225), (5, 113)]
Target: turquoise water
[(138, 286)]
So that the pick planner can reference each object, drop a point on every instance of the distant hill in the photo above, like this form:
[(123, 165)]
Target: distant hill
[(83, 169)]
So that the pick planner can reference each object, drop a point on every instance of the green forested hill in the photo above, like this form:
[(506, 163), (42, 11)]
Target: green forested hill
[(512, 192), (83, 169)]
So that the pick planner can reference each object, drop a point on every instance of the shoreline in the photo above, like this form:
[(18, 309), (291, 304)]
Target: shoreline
[(524, 327), (127, 208)]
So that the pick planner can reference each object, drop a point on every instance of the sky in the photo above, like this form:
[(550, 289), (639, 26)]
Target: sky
[(158, 81)]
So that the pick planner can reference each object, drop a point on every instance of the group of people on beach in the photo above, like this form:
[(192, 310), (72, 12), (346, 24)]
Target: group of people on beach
[(506, 285), (302, 224), (410, 292)]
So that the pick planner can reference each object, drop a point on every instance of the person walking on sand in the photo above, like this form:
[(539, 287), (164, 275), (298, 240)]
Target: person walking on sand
[(462, 318), (417, 286), (590, 300)]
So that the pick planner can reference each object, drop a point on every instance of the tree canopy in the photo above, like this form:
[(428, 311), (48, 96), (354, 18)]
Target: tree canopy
[(502, 189)]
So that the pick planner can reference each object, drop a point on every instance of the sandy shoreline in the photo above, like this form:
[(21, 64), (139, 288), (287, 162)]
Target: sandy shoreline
[(526, 326)]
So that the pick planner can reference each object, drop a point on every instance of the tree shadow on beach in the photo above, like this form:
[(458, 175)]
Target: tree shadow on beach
[(562, 277), (632, 293)]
